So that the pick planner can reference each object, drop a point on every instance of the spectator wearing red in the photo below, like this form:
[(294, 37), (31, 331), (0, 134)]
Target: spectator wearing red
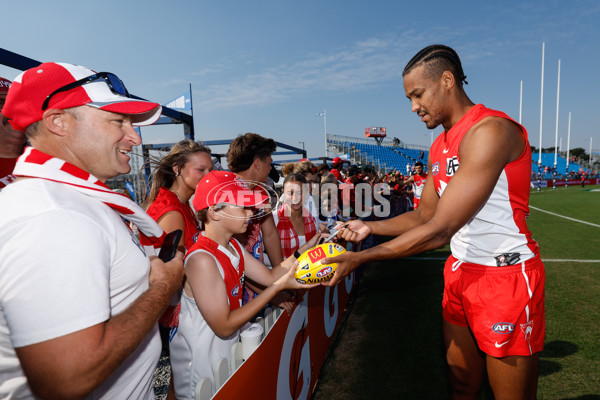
[(336, 169), (11, 141), (417, 181)]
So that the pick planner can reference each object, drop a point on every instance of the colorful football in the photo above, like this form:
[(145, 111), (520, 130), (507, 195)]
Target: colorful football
[(310, 269)]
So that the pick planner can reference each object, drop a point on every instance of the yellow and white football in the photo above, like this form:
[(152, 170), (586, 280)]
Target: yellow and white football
[(310, 269)]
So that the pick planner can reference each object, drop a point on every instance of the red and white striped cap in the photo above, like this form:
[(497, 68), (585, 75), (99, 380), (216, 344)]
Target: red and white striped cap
[(30, 89)]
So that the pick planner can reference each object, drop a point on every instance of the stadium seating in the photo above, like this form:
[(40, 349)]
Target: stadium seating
[(384, 157), (548, 161), (393, 156)]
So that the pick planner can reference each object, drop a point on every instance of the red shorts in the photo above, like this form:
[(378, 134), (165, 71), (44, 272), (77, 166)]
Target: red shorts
[(502, 306)]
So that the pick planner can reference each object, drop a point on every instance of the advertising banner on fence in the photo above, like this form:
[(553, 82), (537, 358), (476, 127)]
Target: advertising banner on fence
[(572, 182), (287, 363)]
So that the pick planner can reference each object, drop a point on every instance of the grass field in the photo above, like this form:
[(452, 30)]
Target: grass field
[(391, 344)]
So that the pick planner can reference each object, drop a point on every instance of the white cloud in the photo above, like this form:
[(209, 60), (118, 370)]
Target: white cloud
[(363, 65)]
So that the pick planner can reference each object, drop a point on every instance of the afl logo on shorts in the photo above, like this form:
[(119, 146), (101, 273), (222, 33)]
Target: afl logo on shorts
[(435, 168), (236, 291), (503, 327)]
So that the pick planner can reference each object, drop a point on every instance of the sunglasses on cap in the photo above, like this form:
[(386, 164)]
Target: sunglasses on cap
[(112, 81)]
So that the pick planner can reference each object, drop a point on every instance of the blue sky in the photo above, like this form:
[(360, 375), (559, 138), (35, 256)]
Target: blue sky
[(270, 66)]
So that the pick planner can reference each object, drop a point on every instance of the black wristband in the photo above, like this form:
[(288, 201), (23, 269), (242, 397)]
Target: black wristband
[(296, 254)]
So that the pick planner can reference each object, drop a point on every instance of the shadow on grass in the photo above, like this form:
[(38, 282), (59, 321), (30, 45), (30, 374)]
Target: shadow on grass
[(555, 349), (558, 349), (392, 344)]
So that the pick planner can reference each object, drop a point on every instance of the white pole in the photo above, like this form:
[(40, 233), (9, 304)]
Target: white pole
[(560, 144), (568, 143), (590, 152), (521, 103), (556, 131), (541, 105)]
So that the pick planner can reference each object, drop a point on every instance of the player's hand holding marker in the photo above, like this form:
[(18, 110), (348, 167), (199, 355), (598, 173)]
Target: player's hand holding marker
[(352, 231)]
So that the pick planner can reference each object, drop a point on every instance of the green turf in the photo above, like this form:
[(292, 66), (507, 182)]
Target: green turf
[(391, 347)]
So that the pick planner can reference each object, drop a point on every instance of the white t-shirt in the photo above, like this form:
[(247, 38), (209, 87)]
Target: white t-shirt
[(67, 262), (195, 347)]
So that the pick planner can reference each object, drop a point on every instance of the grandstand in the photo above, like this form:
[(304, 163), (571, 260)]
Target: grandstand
[(384, 157), (561, 165), (392, 154)]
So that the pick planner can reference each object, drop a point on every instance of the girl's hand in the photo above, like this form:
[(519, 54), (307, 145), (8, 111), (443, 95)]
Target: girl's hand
[(288, 280)]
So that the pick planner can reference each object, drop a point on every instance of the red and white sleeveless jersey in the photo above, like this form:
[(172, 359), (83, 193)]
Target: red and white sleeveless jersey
[(498, 231), (418, 185)]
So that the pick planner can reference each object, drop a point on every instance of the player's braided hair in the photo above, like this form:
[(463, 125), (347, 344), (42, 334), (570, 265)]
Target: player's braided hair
[(437, 58)]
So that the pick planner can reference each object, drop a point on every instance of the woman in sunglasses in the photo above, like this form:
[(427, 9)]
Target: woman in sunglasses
[(311, 173)]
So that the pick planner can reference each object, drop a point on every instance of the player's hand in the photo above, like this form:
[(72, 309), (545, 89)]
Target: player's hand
[(355, 231), (169, 275), (346, 263)]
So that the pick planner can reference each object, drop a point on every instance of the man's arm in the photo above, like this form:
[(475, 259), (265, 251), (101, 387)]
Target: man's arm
[(73, 365), (408, 181), (484, 152)]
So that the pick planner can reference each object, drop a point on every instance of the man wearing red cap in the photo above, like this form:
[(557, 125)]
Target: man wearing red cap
[(80, 297), (336, 169), (11, 141)]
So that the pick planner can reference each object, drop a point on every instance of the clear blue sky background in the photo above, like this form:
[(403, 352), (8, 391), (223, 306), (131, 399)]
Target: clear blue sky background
[(270, 66)]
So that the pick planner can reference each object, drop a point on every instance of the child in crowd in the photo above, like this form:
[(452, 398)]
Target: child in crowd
[(294, 222), (216, 265)]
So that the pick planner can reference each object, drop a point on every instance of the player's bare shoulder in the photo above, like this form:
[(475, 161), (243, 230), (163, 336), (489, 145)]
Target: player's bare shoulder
[(499, 134)]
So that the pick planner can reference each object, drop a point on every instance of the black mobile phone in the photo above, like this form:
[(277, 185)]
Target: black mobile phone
[(169, 246)]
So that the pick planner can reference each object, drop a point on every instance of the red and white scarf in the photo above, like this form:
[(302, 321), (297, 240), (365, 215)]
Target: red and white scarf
[(36, 164), (287, 233)]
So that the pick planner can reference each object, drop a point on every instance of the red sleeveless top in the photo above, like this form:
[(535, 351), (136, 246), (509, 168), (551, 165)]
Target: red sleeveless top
[(167, 201), (233, 277), (499, 227)]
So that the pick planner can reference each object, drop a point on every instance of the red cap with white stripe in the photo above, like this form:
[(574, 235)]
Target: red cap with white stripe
[(35, 86)]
